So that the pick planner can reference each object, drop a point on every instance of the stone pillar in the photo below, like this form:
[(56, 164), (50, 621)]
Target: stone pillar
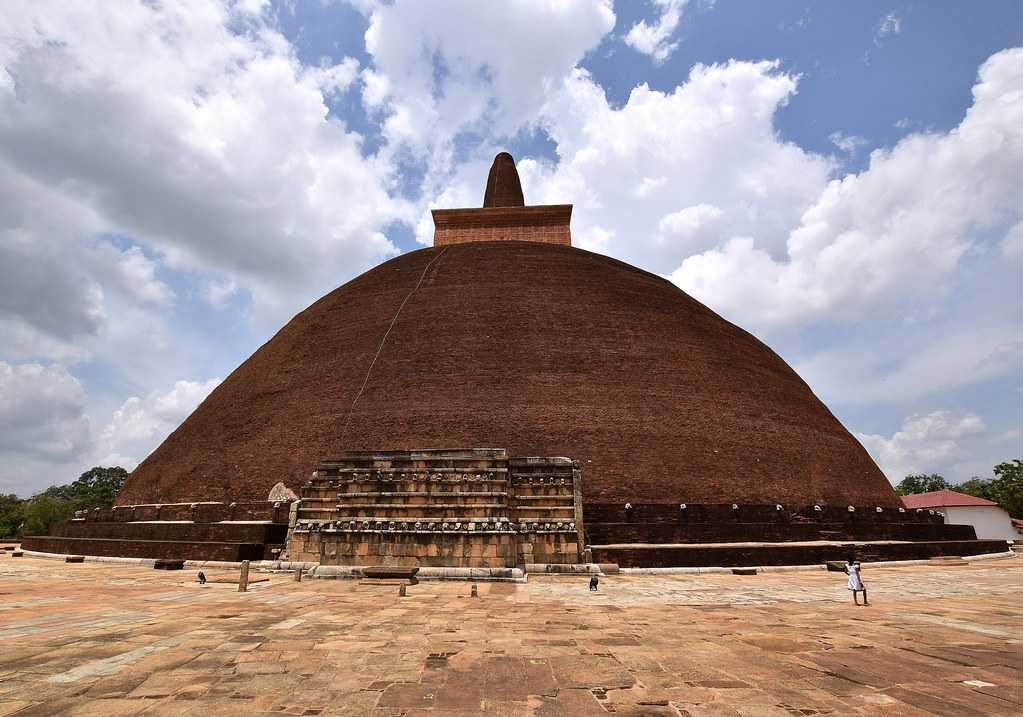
[(243, 577), (577, 494), (287, 553)]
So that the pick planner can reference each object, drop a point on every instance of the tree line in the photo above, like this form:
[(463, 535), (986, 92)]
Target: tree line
[(96, 488), (1006, 488)]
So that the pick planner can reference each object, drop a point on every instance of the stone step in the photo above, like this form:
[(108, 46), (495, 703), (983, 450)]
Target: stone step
[(645, 555), (543, 509), (179, 549), (425, 494)]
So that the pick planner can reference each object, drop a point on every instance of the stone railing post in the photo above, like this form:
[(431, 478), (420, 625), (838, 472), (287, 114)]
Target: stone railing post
[(243, 577), (577, 500)]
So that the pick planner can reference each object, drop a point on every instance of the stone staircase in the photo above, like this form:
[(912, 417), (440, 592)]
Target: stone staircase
[(178, 531), (439, 508)]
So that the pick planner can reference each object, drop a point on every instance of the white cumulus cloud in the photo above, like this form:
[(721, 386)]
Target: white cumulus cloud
[(655, 39), (142, 422), (926, 443), (894, 229), (43, 423), (669, 174), (192, 129), (462, 66)]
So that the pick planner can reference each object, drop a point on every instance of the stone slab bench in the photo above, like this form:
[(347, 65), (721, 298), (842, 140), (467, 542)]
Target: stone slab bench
[(388, 572), (168, 564)]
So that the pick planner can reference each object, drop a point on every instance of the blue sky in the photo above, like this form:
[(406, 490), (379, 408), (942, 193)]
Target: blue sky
[(838, 178)]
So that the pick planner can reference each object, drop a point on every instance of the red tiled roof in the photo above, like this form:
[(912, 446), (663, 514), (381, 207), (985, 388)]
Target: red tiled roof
[(941, 499)]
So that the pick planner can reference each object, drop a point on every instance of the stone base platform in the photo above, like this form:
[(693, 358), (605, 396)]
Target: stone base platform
[(107, 533), (652, 555)]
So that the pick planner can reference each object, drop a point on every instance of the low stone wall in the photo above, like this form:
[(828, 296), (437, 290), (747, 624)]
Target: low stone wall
[(608, 524), (733, 532), (726, 513), (666, 556)]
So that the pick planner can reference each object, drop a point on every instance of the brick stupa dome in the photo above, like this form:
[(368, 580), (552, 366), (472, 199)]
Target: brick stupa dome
[(529, 345)]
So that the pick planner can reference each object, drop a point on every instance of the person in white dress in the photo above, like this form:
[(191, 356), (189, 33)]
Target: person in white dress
[(852, 569)]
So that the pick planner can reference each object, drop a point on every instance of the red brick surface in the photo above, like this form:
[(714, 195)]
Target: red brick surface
[(503, 186), (542, 234), (547, 224), (540, 349)]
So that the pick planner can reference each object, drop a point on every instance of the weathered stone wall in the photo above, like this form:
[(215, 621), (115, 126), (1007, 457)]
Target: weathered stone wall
[(617, 523), (439, 508)]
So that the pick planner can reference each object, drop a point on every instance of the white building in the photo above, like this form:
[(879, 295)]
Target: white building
[(990, 520)]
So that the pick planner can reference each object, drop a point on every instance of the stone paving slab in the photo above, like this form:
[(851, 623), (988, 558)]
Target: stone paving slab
[(102, 639)]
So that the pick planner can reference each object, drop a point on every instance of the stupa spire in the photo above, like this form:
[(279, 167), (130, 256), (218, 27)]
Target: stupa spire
[(504, 215), (503, 186)]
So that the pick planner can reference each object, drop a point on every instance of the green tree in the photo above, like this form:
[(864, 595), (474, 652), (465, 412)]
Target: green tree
[(921, 483), (1007, 486), (96, 488), (42, 511), (12, 515), (976, 486)]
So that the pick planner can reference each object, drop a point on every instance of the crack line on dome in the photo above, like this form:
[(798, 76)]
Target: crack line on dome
[(380, 348)]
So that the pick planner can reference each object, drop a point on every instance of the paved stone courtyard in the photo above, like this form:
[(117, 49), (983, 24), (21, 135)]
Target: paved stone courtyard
[(99, 639)]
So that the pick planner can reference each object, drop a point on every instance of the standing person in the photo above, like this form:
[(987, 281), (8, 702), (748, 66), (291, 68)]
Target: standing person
[(593, 583), (852, 569)]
